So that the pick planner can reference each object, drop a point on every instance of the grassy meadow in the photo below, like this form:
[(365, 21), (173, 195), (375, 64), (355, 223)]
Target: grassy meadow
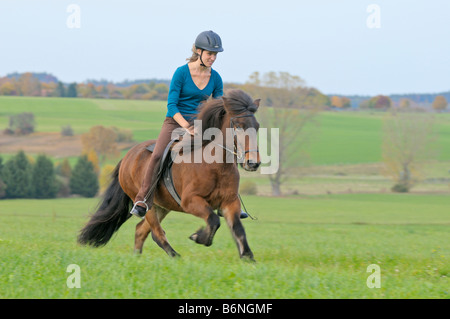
[(311, 247), (337, 218)]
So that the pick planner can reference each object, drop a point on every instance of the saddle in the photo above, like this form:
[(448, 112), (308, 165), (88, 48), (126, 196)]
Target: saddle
[(165, 170)]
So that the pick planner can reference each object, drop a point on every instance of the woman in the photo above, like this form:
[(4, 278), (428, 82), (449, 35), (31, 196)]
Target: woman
[(191, 84)]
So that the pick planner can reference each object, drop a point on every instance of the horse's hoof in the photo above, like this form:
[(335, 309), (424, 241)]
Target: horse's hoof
[(248, 259), (174, 254), (200, 239)]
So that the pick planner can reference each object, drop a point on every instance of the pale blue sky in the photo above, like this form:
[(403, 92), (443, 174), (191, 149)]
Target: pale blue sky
[(326, 42)]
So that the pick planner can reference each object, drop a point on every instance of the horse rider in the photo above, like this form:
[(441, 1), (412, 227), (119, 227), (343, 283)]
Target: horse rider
[(191, 84)]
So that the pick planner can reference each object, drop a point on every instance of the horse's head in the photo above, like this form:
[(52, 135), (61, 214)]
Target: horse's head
[(240, 118)]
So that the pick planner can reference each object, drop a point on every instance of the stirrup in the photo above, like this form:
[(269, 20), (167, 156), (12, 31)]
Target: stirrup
[(136, 212)]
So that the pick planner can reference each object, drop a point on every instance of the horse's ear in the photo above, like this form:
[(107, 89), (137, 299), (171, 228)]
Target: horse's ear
[(256, 102)]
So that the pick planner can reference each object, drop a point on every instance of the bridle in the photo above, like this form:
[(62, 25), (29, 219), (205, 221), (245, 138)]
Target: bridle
[(236, 152)]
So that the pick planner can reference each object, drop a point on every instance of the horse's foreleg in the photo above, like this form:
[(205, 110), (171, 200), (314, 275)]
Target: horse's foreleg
[(232, 212), (198, 206)]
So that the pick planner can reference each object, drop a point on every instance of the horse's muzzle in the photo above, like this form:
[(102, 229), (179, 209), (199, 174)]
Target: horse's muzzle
[(251, 165)]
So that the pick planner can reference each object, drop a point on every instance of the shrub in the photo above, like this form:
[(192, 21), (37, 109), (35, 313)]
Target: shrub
[(400, 188), (22, 124), (66, 130)]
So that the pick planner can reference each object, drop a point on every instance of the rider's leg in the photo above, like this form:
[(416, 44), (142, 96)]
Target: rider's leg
[(144, 199)]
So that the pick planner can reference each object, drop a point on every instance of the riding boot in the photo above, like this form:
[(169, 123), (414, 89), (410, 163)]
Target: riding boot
[(139, 211), (242, 214), (144, 199)]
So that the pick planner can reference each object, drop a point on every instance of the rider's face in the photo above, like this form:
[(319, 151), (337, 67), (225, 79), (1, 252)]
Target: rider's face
[(208, 57)]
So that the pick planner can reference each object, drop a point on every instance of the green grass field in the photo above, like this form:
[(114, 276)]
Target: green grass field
[(305, 247)]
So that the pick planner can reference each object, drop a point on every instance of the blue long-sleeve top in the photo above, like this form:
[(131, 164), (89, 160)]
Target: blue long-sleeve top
[(185, 97)]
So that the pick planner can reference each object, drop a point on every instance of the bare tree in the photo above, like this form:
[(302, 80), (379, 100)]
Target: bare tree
[(290, 107), (407, 145)]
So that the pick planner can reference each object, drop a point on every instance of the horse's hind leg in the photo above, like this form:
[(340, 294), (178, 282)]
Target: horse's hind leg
[(154, 217), (142, 231), (232, 213)]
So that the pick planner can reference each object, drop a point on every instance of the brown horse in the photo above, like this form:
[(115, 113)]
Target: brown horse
[(203, 187)]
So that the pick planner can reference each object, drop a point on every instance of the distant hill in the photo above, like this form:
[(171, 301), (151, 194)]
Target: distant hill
[(50, 78), (42, 77)]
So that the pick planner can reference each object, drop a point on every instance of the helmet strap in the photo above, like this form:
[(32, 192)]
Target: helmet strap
[(202, 64)]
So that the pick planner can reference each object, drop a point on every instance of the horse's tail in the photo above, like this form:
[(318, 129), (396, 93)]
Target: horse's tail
[(112, 212)]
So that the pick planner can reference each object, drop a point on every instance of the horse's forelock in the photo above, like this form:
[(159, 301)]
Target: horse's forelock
[(212, 112), (239, 101)]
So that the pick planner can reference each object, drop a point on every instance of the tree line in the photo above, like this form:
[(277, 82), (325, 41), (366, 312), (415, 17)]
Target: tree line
[(43, 84), (24, 177), (27, 84)]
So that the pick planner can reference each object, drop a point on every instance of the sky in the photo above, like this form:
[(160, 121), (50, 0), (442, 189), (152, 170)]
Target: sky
[(348, 47)]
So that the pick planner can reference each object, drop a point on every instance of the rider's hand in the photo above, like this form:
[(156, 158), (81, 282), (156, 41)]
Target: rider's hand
[(190, 130)]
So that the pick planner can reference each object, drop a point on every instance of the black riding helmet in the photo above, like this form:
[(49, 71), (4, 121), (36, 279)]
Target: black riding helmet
[(210, 41)]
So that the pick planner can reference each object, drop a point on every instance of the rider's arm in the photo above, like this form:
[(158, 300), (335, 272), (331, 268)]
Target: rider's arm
[(181, 120)]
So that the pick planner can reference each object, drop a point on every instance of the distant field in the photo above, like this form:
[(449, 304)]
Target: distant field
[(356, 137), (144, 118), (305, 247), (340, 137)]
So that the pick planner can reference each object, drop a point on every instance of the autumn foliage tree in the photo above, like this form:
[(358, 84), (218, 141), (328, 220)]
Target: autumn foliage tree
[(102, 140), (340, 102), (380, 102), (29, 85), (440, 103)]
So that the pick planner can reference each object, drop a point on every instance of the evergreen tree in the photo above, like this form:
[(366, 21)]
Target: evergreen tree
[(60, 90), (72, 90), (2, 184), (1, 166), (17, 176), (84, 181), (43, 178)]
